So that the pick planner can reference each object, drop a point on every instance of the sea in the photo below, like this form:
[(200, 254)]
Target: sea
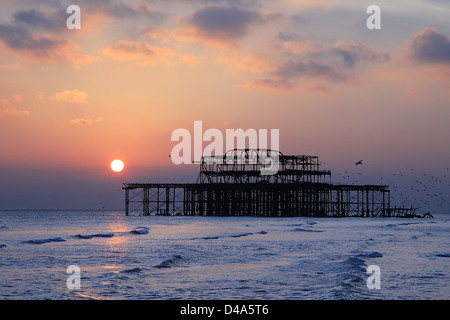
[(105, 255)]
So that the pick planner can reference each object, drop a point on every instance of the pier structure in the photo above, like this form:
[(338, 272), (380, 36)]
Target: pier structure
[(234, 185)]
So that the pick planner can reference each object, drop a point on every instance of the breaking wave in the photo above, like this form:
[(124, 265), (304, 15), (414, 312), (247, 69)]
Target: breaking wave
[(140, 230), (98, 235), (41, 241), (133, 270), (236, 235), (171, 262), (373, 254), (306, 230)]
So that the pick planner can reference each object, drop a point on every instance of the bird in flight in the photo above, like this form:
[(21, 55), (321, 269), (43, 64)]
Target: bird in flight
[(359, 162)]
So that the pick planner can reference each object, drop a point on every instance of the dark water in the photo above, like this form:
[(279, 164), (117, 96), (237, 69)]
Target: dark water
[(138, 257)]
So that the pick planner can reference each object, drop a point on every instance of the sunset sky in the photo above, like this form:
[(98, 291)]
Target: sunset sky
[(71, 101)]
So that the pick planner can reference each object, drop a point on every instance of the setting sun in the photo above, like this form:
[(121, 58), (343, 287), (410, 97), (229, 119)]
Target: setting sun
[(117, 165)]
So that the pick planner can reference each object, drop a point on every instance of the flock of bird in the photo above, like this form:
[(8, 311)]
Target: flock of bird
[(411, 188)]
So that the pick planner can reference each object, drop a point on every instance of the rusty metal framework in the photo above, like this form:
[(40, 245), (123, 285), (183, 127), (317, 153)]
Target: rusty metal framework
[(234, 185)]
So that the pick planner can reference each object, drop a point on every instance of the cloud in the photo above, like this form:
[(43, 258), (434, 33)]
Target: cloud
[(6, 110), (319, 89), (140, 52), (430, 46), (302, 47), (18, 38), (268, 83), (311, 68), (41, 48), (74, 96), (283, 85), (297, 45), (120, 9), (163, 35), (285, 77), (248, 63), (189, 59), (307, 60), (352, 54), (39, 20), (17, 97), (222, 25), (85, 122), (16, 66)]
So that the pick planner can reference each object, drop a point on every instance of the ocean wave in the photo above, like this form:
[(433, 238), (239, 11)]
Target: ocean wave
[(401, 224), (350, 278), (41, 241), (208, 238), (236, 235), (3, 228), (140, 230), (355, 262), (306, 230), (133, 270), (373, 254), (98, 235), (171, 262)]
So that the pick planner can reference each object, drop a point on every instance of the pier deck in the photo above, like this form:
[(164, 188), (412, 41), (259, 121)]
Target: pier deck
[(258, 199)]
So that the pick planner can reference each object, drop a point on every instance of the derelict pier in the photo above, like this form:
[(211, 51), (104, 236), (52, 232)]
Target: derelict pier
[(233, 185)]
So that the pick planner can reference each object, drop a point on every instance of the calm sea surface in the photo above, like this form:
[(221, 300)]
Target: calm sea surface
[(151, 257)]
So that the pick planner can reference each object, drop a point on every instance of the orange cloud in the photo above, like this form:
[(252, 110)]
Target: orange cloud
[(189, 59), (16, 66), (6, 110), (17, 97), (140, 52), (74, 96)]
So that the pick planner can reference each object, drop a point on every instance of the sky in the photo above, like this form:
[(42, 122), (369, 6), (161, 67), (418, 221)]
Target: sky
[(71, 101)]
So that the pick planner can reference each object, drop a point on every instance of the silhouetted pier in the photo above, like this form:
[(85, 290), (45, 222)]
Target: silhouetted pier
[(232, 185)]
